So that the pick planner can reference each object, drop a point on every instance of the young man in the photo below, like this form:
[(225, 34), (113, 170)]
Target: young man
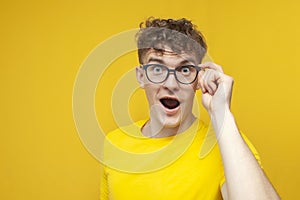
[(170, 53)]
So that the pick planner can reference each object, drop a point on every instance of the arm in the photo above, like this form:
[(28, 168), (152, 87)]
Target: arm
[(244, 177)]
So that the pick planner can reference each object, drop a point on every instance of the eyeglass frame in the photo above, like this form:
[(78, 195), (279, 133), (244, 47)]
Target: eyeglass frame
[(198, 69)]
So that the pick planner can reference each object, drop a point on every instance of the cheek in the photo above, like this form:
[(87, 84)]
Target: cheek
[(195, 85), (151, 92), (189, 91), (190, 95)]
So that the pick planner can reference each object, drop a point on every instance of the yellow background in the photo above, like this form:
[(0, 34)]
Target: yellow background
[(43, 44)]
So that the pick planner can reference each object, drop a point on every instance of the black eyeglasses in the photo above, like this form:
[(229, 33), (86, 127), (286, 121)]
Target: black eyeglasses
[(158, 73)]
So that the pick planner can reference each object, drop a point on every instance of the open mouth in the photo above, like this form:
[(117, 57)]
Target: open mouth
[(170, 103)]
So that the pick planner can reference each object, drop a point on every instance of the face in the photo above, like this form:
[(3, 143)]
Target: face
[(170, 102)]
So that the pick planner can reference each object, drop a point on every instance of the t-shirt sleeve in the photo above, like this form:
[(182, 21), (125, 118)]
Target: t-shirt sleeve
[(103, 184), (254, 152)]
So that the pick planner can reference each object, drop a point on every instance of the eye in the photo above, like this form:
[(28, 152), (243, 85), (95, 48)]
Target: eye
[(157, 70), (185, 71)]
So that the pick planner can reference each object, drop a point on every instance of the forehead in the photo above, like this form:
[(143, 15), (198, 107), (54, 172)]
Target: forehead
[(169, 57)]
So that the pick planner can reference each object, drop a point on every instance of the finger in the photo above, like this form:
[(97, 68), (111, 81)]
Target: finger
[(213, 86), (201, 83), (211, 65), (211, 81), (210, 78), (206, 80)]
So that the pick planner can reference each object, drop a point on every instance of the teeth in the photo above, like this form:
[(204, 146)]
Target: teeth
[(170, 103)]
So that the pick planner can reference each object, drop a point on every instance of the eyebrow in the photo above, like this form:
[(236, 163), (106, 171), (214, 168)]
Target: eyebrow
[(160, 61), (151, 59)]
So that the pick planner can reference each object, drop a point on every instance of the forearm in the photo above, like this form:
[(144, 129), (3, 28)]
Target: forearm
[(244, 177)]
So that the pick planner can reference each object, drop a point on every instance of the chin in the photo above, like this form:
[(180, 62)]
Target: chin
[(165, 118), (171, 122)]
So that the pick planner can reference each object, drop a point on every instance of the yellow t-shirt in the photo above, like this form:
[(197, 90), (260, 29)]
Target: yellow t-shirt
[(186, 166)]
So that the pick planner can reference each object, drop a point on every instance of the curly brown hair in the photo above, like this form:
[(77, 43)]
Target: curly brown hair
[(180, 35)]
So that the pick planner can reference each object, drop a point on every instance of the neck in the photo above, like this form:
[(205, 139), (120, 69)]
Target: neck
[(155, 129)]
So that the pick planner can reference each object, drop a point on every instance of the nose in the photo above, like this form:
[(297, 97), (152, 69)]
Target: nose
[(171, 82)]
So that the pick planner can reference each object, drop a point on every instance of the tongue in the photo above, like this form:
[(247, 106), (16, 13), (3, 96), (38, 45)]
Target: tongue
[(170, 103)]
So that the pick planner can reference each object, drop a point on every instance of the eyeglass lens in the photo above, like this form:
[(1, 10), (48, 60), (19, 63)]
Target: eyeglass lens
[(159, 73)]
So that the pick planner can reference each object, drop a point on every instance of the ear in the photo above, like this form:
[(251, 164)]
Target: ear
[(198, 85), (199, 79), (140, 76)]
